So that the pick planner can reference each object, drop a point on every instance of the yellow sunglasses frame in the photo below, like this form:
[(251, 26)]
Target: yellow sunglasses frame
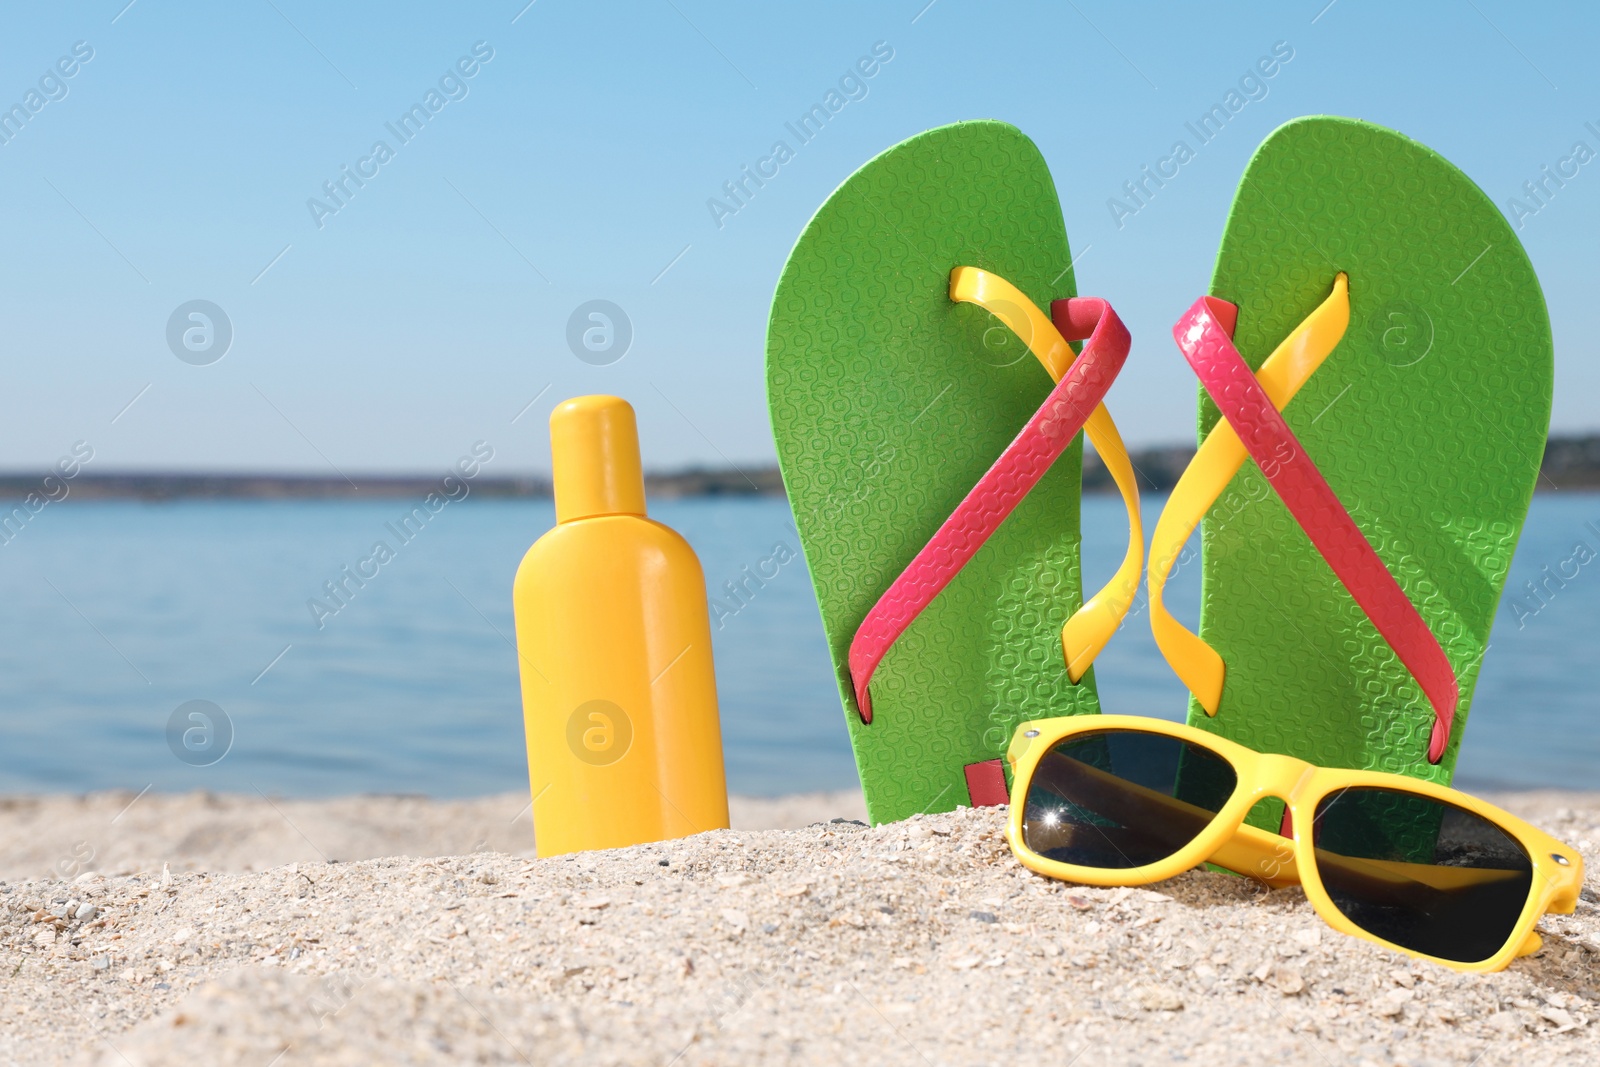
[(1278, 861)]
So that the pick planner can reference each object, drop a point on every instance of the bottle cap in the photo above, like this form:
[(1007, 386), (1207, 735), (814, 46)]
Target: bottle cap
[(594, 450)]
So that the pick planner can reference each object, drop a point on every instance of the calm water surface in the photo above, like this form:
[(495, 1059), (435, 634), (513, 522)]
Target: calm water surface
[(120, 612)]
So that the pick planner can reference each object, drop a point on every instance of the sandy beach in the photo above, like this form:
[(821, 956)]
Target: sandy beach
[(402, 930)]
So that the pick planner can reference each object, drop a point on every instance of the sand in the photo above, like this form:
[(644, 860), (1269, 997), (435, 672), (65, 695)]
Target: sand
[(275, 937), (126, 833)]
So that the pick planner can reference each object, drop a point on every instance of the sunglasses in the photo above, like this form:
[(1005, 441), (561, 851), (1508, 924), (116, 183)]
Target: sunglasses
[(1419, 867)]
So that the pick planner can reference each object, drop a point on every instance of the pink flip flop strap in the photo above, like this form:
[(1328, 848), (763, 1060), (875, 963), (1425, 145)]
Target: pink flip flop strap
[(1046, 435), (1297, 481)]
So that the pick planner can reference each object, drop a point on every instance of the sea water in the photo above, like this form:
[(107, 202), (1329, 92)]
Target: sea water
[(323, 670)]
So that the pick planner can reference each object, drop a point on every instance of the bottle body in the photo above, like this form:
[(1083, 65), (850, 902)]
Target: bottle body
[(618, 689)]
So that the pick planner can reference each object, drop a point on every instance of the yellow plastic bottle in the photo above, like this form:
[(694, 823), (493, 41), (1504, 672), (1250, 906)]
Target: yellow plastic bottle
[(619, 697)]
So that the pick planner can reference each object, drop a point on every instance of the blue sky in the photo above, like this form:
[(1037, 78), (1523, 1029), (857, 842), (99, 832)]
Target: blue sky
[(575, 164)]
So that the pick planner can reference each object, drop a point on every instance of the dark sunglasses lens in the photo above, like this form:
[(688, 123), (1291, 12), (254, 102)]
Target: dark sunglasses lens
[(1123, 798), (1420, 873)]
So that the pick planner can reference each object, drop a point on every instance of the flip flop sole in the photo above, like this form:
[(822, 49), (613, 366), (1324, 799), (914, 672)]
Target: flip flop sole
[(1428, 420), (888, 402)]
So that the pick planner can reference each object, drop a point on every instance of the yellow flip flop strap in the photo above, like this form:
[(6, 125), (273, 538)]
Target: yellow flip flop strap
[(1092, 625), (1213, 467)]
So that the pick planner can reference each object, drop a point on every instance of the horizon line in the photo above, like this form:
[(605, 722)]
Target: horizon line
[(1574, 459)]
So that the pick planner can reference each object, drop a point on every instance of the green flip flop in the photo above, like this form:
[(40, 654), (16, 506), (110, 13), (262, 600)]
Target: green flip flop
[(896, 410), (1427, 419)]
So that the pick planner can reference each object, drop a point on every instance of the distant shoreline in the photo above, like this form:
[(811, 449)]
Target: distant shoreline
[(162, 486), (1570, 463)]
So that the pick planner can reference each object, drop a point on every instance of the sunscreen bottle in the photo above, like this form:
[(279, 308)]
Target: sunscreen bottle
[(619, 699)]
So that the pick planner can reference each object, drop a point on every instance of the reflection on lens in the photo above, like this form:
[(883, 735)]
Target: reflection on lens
[(1123, 798), (1420, 873)]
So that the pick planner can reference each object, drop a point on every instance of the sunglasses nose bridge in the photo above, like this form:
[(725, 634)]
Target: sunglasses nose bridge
[(1279, 776)]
